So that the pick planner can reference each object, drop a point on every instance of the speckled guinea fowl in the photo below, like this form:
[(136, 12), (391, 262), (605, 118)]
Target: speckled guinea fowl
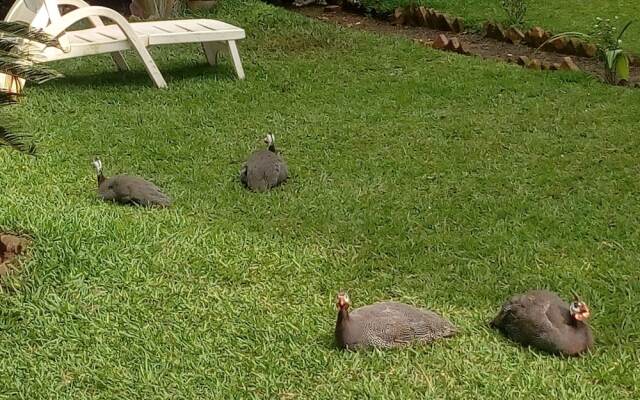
[(127, 189), (543, 320), (387, 325), (265, 168)]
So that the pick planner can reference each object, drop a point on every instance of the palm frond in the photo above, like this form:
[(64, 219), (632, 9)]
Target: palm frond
[(9, 44), (7, 97), (24, 31), (17, 54), (10, 139), (27, 70)]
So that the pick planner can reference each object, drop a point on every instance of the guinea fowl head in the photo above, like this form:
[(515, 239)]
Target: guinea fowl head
[(578, 309), (98, 165), (342, 301), (270, 140)]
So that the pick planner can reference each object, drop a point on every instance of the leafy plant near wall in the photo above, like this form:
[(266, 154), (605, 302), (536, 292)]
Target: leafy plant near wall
[(155, 9), (515, 10), (615, 59), (17, 66)]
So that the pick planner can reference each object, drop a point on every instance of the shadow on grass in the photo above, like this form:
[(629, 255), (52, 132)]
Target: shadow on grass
[(139, 77)]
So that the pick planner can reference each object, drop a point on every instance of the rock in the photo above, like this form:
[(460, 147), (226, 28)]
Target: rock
[(422, 15), (558, 44), (522, 60), (514, 35), (442, 22), (432, 19), (536, 36), (454, 45), (535, 64), (399, 16), (441, 42), (489, 29), (568, 65), (411, 14), (579, 46), (588, 49), (458, 25), (494, 30), (331, 8), (571, 47)]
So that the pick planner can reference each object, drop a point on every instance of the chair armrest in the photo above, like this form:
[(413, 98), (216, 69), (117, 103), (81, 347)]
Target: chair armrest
[(95, 21), (59, 27)]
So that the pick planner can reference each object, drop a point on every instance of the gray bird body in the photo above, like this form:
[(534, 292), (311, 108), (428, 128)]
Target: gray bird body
[(541, 319), (126, 189), (265, 169), (389, 325)]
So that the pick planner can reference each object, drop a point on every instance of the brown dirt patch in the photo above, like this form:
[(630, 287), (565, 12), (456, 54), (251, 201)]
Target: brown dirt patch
[(474, 43), (11, 247)]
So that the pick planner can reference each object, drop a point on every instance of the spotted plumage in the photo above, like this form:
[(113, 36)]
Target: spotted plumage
[(387, 325), (543, 320)]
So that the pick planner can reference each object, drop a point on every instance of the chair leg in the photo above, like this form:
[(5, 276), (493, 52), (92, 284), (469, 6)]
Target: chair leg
[(121, 63), (151, 67), (235, 56), (211, 51)]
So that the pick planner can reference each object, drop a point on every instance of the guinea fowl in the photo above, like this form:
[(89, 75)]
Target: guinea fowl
[(265, 168), (126, 189), (543, 320), (387, 325)]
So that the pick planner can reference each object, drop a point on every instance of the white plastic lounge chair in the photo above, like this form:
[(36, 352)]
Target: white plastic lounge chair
[(215, 36)]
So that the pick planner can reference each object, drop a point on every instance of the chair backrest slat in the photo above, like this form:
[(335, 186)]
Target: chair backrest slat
[(37, 13)]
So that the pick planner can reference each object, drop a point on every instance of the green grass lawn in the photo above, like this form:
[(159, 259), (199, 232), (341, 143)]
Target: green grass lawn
[(426, 177), (559, 16)]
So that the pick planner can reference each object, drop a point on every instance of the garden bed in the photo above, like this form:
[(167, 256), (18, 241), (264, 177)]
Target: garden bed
[(471, 43), (559, 16)]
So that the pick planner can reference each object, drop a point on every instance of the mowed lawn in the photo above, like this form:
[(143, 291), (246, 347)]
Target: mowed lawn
[(434, 179), (558, 16)]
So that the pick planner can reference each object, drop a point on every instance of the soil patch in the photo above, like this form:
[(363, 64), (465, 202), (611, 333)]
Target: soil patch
[(11, 247), (472, 43)]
